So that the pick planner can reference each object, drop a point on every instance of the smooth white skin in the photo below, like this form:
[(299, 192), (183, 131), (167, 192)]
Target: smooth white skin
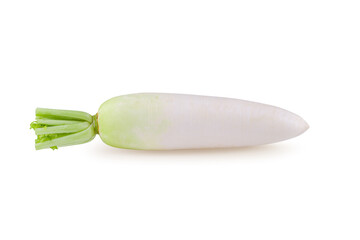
[(209, 122), (191, 121)]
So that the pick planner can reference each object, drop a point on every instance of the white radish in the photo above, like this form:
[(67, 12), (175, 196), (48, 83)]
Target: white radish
[(160, 121)]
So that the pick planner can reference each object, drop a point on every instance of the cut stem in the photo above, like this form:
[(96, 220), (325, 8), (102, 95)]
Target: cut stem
[(68, 128), (53, 122), (58, 128), (63, 114), (72, 139)]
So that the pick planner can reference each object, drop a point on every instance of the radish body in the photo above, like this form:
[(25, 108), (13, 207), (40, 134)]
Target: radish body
[(158, 121)]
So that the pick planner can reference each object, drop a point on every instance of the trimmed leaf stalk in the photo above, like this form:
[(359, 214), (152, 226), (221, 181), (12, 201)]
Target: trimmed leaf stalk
[(58, 128)]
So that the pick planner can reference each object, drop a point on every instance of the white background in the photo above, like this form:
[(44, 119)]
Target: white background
[(303, 56)]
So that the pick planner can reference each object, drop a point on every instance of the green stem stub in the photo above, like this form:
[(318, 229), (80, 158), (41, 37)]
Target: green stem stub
[(58, 128)]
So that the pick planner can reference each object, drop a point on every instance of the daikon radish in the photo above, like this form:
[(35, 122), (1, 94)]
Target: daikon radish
[(162, 121)]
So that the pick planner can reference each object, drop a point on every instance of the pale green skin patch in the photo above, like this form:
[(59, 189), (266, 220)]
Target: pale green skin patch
[(134, 121)]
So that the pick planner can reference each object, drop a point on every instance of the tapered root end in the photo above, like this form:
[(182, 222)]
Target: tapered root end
[(305, 127), (294, 126), (301, 126), (58, 128)]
